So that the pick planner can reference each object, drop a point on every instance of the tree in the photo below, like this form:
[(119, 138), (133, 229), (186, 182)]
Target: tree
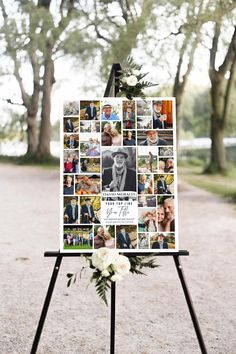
[(117, 25), (35, 40), (222, 81)]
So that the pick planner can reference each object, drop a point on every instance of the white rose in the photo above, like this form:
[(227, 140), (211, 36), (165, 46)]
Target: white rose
[(136, 72), (121, 265), (116, 277), (132, 80), (124, 79), (103, 258), (105, 273)]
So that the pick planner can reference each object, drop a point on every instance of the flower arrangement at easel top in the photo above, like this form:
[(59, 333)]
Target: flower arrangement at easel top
[(110, 266), (131, 80)]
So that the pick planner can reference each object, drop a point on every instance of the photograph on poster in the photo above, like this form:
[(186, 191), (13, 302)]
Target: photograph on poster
[(129, 137), (71, 141), (87, 126), (90, 165), (71, 161), (89, 110), (87, 184), (111, 110), (71, 124), (147, 159), (111, 134), (78, 237), (104, 236), (118, 175), (129, 115)]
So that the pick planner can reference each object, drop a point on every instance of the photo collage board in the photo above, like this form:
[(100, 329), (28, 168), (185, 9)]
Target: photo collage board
[(119, 175)]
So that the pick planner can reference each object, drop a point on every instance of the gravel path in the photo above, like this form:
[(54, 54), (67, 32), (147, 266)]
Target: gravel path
[(152, 316)]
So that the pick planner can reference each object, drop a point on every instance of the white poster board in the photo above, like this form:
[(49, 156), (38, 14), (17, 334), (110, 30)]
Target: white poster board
[(119, 175)]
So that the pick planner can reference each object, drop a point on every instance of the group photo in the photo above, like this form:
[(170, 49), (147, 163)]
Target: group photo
[(78, 237)]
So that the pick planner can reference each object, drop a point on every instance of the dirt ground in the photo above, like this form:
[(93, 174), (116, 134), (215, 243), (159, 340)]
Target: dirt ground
[(152, 315)]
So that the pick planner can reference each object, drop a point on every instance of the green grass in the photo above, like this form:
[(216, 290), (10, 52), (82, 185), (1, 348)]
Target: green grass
[(224, 186), (81, 247)]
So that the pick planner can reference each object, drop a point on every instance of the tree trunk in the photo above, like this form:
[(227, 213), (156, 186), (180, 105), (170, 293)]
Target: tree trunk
[(32, 140), (178, 94), (43, 151), (218, 156)]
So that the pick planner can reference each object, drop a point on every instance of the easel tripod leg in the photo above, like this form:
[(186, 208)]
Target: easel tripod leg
[(46, 304), (113, 314), (190, 304)]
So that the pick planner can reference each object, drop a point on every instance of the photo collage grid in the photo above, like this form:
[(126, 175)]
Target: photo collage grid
[(116, 145)]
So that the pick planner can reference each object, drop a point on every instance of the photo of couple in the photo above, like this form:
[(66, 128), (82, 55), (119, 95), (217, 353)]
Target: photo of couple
[(104, 236), (111, 134), (90, 147)]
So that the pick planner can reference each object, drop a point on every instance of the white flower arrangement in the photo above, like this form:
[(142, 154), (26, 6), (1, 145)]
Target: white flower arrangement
[(131, 80), (110, 266)]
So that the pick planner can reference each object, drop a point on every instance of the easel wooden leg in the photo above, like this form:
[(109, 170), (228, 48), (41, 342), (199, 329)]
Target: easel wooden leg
[(113, 317), (190, 304), (46, 304)]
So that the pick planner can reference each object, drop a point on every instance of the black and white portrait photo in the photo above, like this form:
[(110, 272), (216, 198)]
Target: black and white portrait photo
[(119, 169)]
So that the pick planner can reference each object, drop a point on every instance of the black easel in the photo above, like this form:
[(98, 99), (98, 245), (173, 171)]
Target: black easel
[(112, 89)]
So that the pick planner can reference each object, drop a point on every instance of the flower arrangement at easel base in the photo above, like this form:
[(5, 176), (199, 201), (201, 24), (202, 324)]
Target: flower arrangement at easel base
[(131, 80), (110, 266)]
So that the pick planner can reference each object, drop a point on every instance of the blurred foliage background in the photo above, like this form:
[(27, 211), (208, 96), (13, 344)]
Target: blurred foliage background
[(65, 48)]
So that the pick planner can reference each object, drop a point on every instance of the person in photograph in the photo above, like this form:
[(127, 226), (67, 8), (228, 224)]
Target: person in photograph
[(71, 212), (160, 243), (91, 112), (164, 221), (69, 126), (128, 118), (84, 166), (150, 160), (161, 218), (68, 165), (143, 241), (87, 212), (161, 166), (115, 137), (169, 213), (109, 241), (119, 177), (93, 148), (94, 127), (72, 143), (159, 119), (153, 139), (75, 164), (150, 222), (142, 185), (169, 166), (162, 186), (68, 186), (99, 238), (123, 239), (106, 135), (91, 238), (107, 113), (129, 141), (86, 186)]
